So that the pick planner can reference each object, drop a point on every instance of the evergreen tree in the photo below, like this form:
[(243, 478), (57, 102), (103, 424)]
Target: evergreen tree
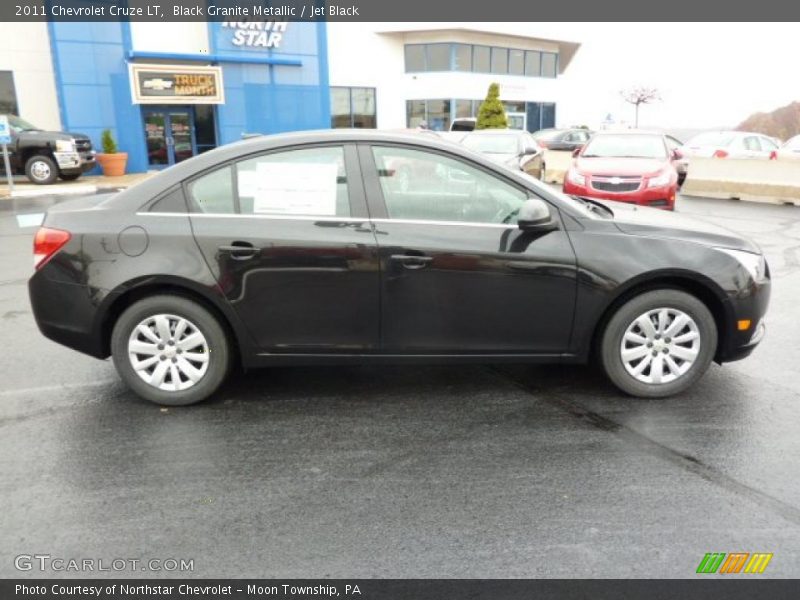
[(491, 114)]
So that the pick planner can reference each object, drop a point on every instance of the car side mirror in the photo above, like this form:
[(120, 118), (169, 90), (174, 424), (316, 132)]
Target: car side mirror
[(534, 215), (577, 151)]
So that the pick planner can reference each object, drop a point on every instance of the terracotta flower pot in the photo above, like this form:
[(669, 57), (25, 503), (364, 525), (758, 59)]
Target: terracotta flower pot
[(113, 165)]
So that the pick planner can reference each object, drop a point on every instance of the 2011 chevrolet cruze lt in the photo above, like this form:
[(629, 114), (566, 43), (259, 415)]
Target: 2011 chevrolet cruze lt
[(308, 248)]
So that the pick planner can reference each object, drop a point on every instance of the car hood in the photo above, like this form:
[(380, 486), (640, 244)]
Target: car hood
[(503, 159), (620, 166), (652, 222)]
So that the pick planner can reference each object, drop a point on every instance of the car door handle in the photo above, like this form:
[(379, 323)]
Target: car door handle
[(240, 250), (412, 261)]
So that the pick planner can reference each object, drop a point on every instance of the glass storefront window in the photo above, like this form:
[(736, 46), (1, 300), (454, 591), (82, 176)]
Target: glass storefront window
[(516, 62), (499, 60), (363, 102), (439, 115), (481, 59), (462, 55), (340, 107), (8, 94), (548, 64), (353, 107), (438, 57), (533, 63), (463, 109), (415, 58), (415, 113)]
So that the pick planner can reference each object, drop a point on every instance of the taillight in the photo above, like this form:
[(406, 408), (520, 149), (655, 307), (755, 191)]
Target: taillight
[(773, 155), (46, 243), (721, 154)]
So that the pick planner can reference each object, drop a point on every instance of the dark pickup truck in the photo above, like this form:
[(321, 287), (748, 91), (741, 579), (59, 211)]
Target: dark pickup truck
[(44, 156)]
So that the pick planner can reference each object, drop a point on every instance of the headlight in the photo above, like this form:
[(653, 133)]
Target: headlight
[(65, 145), (660, 180), (755, 264), (576, 178)]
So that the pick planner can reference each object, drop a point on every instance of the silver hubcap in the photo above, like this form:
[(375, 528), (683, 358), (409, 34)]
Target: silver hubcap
[(660, 346), (168, 352), (40, 170)]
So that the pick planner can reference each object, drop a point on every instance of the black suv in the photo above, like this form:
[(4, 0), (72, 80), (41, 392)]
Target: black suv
[(44, 156)]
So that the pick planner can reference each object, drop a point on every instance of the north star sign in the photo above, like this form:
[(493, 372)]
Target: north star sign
[(257, 34)]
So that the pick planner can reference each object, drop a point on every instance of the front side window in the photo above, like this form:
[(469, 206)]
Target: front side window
[(421, 185)]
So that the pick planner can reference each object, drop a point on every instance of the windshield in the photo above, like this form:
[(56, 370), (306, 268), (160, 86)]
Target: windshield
[(625, 146), (492, 144), (18, 124), (546, 134), (713, 138)]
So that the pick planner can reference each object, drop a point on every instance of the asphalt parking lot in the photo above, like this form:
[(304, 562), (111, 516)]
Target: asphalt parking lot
[(512, 471)]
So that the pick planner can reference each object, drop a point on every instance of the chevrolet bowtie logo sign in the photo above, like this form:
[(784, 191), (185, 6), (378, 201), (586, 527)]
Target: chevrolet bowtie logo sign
[(735, 562), (157, 84)]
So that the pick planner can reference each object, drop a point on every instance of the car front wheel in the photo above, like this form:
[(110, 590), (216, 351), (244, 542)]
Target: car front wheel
[(41, 170), (659, 343), (170, 350)]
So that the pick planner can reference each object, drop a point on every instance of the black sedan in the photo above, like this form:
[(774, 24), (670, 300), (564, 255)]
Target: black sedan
[(567, 140), (306, 249)]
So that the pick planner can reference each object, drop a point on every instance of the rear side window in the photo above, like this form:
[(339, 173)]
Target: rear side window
[(306, 182), (213, 193)]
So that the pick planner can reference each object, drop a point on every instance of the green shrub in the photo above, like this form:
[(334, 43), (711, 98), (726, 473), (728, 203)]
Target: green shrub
[(491, 114), (108, 143)]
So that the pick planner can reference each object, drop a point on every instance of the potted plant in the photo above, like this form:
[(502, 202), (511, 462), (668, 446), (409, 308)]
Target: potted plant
[(112, 162)]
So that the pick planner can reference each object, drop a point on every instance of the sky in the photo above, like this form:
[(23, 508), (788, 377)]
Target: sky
[(710, 75)]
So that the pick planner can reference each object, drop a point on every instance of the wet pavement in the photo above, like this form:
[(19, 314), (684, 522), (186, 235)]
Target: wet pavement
[(512, 471)]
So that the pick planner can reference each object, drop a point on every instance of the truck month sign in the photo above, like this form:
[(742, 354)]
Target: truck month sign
[(176, 84)]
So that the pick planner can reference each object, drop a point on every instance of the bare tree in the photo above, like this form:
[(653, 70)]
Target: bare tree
[(639, 95)]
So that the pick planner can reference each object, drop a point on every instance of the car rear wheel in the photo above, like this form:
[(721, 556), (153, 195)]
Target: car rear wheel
[(41, 170), (170, 350), (659, 343)]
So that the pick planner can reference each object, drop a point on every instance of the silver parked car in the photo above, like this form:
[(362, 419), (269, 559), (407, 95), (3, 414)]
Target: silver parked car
[(730, 144)]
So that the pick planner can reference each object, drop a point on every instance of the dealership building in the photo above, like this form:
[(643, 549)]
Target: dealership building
[(171, 90)]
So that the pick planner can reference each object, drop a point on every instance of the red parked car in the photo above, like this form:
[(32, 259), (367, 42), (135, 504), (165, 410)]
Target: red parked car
[(629, 166)]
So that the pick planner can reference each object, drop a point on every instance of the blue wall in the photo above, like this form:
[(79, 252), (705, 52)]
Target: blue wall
[(92, 82), (272, 98), (266, 90)]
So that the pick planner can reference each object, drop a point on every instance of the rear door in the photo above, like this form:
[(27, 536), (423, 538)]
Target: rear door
[(458, 275), (288, 238)]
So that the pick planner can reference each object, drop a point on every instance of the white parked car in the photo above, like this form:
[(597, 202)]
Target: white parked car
[(790, 150), (731, 144)]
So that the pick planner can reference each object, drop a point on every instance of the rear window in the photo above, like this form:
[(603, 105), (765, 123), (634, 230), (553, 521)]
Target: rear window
[(714, 138), (625, 146), (492, 144)]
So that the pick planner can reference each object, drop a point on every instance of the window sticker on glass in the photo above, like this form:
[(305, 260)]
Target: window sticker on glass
[(293, 188)]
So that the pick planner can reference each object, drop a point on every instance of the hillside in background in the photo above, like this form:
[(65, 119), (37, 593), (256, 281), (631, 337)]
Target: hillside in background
[(783, 122)]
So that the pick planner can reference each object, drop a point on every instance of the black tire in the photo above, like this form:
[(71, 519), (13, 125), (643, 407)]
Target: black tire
[(218, 356), (611, 343), (41, 169), (70, 177)]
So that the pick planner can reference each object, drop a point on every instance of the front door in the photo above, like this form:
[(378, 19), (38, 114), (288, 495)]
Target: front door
[(170, 135), (458, 275), (288, 238)]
